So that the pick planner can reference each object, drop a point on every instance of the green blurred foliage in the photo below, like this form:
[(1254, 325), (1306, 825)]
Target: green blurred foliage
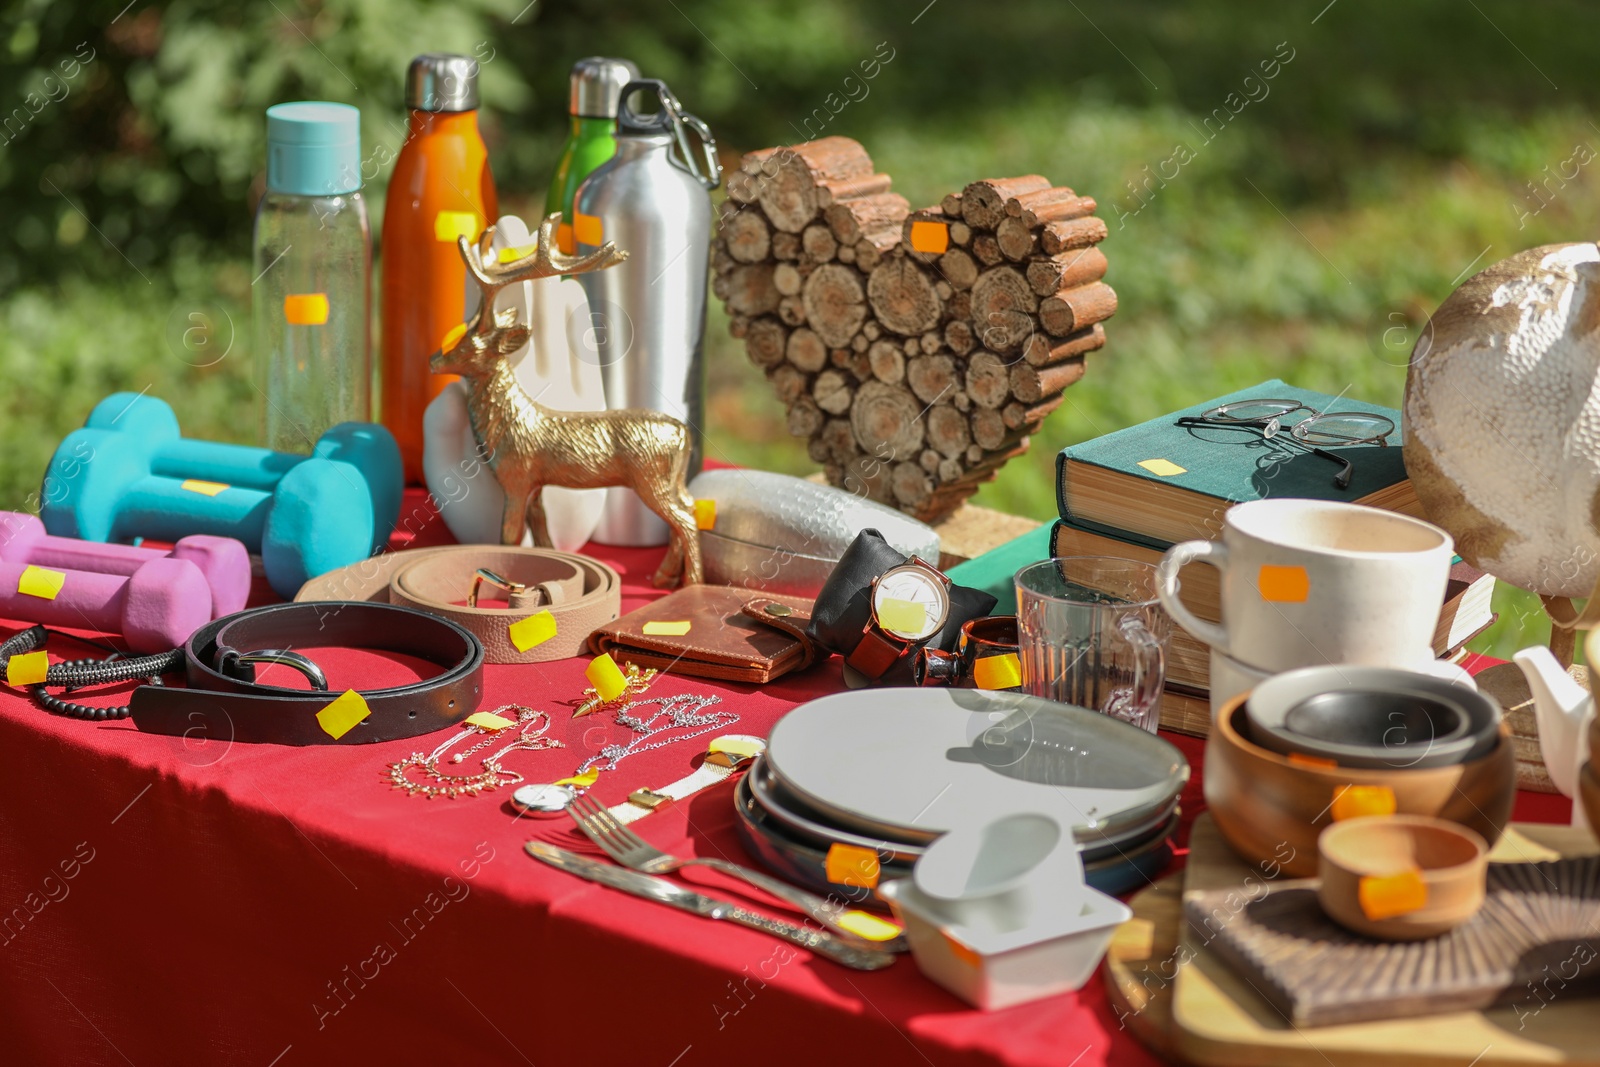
[(1306, 233)]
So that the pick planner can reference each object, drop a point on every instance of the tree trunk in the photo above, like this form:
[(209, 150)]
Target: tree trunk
[(747, 236), (1073, 309), (887, 416), (833, 393), (1049, 205), (838, 440), (791, 197), (1020, 416), (1016, 239), (764, 340), (750, 290), (806, 351), (1042, 350), (805, 418), (911, 484), (1002, 309), (1058, 237), (986, 249), (786, 246), (958, 336), (902, 297), (818, 243), (957, 267), (932, 378), (988, 383), (1066, 271), (789, 382), (983, 203), (834, 191), (850, 220), (835, 305), (1031, 384), (888, 362), (947, 431), (787, 279)]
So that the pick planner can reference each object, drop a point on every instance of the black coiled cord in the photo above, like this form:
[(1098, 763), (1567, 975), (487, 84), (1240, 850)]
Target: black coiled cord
[(82, 673)]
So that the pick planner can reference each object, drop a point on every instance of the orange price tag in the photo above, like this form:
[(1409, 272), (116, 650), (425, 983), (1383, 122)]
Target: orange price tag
[(1283, 585), (305, 309), (998, 672), (1354, 801), (1388, 895), (587, 230), (564, 239), (961, 950), (930, 237), (851, 865), (1300, 759)]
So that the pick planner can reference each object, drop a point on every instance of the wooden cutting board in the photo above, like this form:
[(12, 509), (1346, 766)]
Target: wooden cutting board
[(1178, 997)]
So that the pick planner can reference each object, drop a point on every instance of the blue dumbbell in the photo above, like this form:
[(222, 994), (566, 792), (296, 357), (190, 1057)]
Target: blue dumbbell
[(129, 474)]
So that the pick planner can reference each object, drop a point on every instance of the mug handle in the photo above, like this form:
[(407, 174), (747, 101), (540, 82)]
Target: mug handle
[(1212, 552), (1149, 663)]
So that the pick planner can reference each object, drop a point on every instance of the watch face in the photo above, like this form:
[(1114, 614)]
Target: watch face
[(903, 586)]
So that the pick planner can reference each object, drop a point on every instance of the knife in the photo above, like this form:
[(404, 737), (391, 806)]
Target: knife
[(673, 895)]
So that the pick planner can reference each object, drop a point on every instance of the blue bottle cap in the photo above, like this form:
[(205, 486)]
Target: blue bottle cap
[(313, 148)]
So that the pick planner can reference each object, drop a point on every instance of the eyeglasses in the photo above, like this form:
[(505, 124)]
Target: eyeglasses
[(1336, 429)]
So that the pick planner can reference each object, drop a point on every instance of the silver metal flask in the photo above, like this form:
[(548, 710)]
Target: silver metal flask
[(648, 314)]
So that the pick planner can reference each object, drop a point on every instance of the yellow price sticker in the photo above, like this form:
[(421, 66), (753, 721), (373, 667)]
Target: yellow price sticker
[(305, 309), (535, 630), (665, 628), (581, 781), (343, 715), (1162, 468), (931, 237), (40, 582), (452, 335), (27, 668), (511, 255), (488, 720), (998, 672), (705, 514), (1383, 896), (902, 616), (448, 225), (851, 865), (604, 674), (865, 924), (204, 488)]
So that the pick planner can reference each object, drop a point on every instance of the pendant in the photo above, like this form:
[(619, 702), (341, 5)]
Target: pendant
[(543, 798)]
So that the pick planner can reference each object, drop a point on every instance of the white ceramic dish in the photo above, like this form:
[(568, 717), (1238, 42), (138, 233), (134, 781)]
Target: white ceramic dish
[(997, 970), (1230, 678), (887, 762)]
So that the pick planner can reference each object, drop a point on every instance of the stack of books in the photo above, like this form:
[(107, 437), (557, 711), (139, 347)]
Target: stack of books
[(1136, 492)]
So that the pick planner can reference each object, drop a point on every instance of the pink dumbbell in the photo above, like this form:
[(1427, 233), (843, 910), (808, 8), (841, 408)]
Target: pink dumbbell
[(223, 562), (155, 608)]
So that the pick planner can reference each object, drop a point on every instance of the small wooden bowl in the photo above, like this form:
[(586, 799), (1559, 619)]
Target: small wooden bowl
[(1589, 795), (1271, 808), (1453, 862)]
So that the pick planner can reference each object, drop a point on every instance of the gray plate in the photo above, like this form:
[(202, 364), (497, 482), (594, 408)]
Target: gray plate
[(911, 764)]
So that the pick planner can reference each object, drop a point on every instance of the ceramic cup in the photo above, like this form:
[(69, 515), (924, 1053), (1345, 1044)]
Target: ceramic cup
[(1309, 582), (1001, 876), (1230, 678)]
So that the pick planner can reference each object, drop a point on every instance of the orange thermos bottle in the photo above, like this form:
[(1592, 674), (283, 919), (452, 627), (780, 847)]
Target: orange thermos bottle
[(441, 188)]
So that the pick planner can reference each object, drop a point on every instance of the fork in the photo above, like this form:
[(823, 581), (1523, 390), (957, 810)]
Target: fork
[(633, 851)]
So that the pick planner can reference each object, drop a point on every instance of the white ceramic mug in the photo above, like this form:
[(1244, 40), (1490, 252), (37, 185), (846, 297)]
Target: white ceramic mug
[(1309, 582)]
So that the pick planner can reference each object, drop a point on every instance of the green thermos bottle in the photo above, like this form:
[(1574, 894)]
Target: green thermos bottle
[(596, 89)]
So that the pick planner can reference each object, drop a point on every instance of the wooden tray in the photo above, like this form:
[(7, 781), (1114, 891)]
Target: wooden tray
[(1177, 996)]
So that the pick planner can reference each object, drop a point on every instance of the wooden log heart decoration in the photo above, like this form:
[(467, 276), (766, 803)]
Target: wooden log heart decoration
[(530, 446), (915, 350)]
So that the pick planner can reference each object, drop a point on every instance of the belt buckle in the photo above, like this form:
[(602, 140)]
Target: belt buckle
[(283, 657)]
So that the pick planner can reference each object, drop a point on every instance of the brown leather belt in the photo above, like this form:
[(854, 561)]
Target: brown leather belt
[(580, 593), (224, 702)]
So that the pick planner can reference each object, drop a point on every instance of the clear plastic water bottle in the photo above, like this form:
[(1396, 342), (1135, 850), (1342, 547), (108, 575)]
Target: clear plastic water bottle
[(313, 265)]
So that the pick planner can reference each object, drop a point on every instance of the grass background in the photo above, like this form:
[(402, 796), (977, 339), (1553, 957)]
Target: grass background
[(1400, 149)]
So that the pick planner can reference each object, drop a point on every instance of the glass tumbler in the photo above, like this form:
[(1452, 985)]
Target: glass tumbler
[(1092, 633)]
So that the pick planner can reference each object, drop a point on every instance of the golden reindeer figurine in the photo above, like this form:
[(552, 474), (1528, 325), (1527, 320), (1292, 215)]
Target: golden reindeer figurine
[(530, 446)]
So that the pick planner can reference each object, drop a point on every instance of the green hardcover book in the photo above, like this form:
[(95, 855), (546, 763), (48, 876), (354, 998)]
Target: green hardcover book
[(1161, 483)]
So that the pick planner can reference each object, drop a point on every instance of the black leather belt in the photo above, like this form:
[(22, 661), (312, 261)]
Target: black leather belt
[(224, 701)]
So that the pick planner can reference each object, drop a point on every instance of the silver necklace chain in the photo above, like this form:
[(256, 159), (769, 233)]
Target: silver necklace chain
[(682, 712)]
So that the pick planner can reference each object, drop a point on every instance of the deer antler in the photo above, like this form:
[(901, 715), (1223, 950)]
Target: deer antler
[(542, 260)]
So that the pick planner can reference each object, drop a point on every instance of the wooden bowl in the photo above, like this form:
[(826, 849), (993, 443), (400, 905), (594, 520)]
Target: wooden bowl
[(1589, 795), (1271, 808), (1452, 861)]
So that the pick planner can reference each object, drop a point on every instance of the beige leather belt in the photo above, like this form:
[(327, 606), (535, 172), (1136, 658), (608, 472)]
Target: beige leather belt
[(580, 594)]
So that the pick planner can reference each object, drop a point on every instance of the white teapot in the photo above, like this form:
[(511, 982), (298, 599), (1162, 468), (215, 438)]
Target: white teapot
[(1563, 709)]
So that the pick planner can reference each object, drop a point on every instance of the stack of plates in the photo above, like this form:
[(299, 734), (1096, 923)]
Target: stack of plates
[(891, 770)]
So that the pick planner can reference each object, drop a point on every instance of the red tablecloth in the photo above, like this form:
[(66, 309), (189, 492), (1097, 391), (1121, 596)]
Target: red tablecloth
[(164, 902)]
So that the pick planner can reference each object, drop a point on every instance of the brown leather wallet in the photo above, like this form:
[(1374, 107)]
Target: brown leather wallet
[(733, 635)]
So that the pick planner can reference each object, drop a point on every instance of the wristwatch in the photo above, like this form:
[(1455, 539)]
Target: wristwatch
[(910, 603), (725, 755)]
